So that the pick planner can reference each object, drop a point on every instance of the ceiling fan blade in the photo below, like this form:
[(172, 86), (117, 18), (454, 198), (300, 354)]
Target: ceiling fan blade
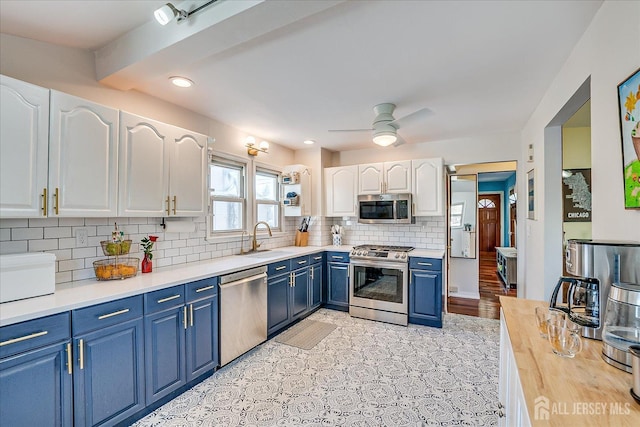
[(400, 141), (416, 115), (350, 130)]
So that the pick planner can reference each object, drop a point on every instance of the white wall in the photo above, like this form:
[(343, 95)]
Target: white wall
[(608, 52)]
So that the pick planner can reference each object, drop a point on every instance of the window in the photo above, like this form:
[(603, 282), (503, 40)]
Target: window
[(486, 203), (227, 193), (457, 212), (267, 201)]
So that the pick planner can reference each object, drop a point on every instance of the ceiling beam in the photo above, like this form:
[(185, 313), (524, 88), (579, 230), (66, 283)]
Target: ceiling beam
[(153, 50)]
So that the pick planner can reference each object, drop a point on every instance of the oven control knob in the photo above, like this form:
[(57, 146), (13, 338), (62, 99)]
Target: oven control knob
[(360, 253), (397, 255), (404, 256)]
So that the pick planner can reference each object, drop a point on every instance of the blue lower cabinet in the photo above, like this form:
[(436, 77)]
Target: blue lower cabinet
[(278, 313), (425, 298), (108, 370), (338, 285), (316, 275), (299, 292), (36, 388), (202, 337), (165, 352)]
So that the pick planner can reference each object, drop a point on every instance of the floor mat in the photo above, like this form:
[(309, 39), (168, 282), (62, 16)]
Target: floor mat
[(306, 334)]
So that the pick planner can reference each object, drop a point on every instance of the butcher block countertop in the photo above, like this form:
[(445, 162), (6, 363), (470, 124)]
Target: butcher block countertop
[(583, 391)]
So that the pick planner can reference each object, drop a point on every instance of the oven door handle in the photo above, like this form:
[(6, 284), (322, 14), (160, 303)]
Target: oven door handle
[(381, 264)]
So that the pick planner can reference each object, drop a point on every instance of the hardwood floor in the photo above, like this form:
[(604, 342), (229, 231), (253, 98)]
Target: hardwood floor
[(491, 287)]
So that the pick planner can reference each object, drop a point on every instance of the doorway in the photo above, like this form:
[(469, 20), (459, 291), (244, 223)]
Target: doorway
[(473, 285)]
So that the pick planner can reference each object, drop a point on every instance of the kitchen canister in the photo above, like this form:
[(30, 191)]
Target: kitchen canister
[(337, 240)]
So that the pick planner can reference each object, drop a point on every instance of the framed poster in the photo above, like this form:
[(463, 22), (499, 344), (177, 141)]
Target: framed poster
[(576, 195), (629, 114), (531, 194)]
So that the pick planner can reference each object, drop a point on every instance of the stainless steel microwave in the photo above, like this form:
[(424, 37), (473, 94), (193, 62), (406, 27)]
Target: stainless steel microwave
[(384, 209)]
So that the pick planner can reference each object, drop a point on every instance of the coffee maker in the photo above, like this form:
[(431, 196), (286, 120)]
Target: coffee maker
[(594, 265)]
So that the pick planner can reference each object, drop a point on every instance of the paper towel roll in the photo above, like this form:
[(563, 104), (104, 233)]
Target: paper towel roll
[(179, 225)]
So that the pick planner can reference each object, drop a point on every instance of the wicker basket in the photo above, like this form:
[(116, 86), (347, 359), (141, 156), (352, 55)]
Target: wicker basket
[(115, 249), (116, 268)]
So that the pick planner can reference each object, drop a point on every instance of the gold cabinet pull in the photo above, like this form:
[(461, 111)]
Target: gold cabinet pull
[(184, 316), (160, 301), (23, 338), (56, 198), (115, 313), (175, 204), (44, 201), (81, 353), (190, 314), (168, 205), (206, 288), (69, 359)]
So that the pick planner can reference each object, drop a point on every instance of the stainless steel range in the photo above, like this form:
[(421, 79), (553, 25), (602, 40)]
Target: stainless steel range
[(378, 285)]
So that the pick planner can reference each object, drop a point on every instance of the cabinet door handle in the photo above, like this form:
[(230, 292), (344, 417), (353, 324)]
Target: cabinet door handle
[(81, 353), (206, 288), (23, 338), (184, 316), (336, 257), (168, 205), (69, 359), (115, 313), (190, 314), (302, 262), (425, 263), (311, 273), (282, 267), (175, 204), (317, 258), (160, 301), (56, 205), (44, 202)]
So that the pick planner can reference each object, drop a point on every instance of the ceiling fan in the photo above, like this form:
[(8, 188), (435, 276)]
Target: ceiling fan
[(385, 127)]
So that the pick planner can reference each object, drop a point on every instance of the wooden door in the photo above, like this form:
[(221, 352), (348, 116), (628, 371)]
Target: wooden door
[(489, 221)]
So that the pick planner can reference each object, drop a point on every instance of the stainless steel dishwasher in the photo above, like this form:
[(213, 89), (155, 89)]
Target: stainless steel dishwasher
[(243, 312)]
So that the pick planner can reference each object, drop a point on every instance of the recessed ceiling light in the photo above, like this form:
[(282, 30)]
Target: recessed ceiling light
[(181, 81), (309, 141)]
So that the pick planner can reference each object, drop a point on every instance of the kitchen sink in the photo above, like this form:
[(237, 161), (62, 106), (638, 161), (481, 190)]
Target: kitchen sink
[(265, 253)]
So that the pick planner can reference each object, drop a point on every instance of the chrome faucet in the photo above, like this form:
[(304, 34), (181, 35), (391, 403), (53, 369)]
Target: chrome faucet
[(254, 243)]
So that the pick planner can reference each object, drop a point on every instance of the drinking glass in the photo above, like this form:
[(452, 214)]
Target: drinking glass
[(563, 341), (545, 317)]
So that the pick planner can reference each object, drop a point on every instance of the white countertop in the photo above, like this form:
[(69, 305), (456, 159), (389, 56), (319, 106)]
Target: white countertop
[(73, 295), (508, 251)]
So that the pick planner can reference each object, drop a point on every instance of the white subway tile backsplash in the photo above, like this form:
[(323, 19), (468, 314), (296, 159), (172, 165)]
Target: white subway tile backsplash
[(5, 234), (57, 232), (69, 265), (43, 245), (13, 247), (63, 277), (179, 244), (27, 233), (178, 260), (85, 252), (70, 222), (43, 222), (13, 223), (87, 273), (62, 255)]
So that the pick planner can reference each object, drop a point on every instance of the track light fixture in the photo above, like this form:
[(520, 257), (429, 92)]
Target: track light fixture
[(168, 12)]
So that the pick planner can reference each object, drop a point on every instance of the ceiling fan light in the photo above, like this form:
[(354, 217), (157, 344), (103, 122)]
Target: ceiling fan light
[(385, 139)]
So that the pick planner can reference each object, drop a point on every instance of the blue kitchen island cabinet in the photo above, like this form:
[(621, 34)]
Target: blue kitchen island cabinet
[(36, 386), (278, 285), (108, 367), (338, 280), (299, 292), (181, 336), (425, 291)]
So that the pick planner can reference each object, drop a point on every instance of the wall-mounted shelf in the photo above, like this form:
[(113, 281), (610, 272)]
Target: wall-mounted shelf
[(296, 179)]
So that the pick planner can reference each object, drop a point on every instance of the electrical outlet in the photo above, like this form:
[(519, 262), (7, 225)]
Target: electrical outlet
[(82, 237)]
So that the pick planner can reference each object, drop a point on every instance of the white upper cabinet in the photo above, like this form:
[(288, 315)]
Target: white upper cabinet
[(187, 173), (83, 158), (144, 173), (162, 169), (388, 177), (341, 190), (24, 148), (428, 188)]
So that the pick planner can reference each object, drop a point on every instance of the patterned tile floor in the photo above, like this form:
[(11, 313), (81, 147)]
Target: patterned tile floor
[(363, 374)]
